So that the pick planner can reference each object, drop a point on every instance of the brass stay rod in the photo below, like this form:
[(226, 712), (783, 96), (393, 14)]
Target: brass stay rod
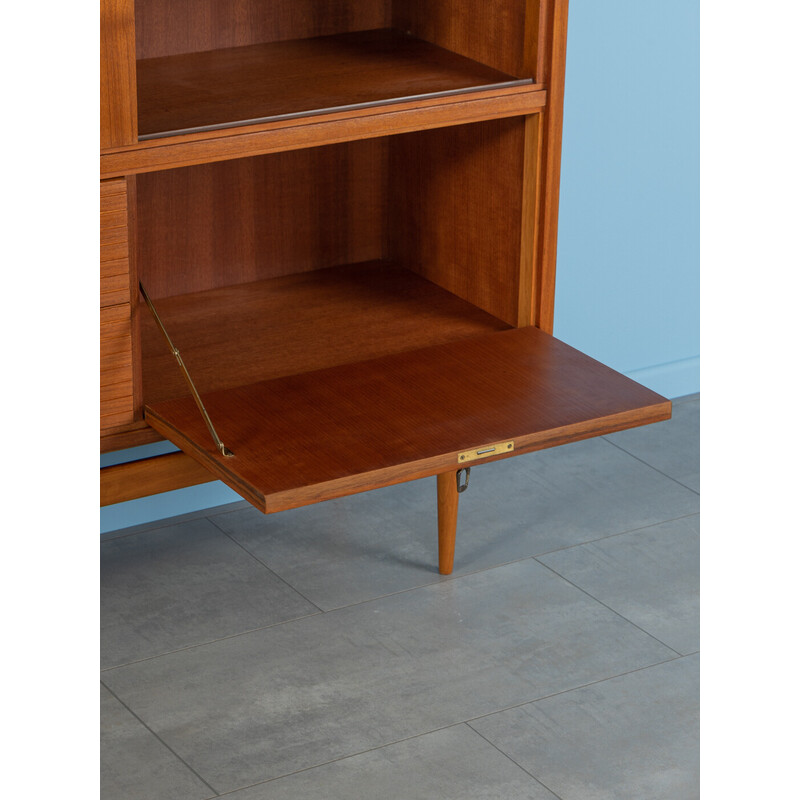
[(221, 447)]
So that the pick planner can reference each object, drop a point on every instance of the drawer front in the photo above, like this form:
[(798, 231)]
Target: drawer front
[(116, 360), (116, 367), (113, 220), (115, 282)]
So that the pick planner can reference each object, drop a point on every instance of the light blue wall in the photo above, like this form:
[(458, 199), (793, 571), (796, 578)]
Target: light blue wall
[(627, 289), (627, 281)]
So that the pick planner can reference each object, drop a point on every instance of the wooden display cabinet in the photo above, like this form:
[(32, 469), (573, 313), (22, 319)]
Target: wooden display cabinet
[(345, 215)]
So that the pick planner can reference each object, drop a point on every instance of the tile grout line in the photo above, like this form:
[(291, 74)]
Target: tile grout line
[(322, 612), (479, 570), (444, 580), (612, 610), (319, 613), (340, 758), (269, 569), (466, 722), (575, 688), (158, 738), (614, 535), (527, 772), (449, 579), (209, 642), (642, 461)]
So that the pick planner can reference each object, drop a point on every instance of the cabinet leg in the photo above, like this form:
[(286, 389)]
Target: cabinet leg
[(447, 496)]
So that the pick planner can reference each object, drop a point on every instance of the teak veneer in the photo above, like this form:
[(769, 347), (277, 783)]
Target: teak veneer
[(323, 434), (192, 92), (300, 323), (345, 214)]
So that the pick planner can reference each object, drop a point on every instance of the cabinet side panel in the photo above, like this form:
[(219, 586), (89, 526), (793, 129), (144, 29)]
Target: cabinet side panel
[(553, 67), (117, 74), (234, 222), (498, 34), (170, 27), (456, 210)]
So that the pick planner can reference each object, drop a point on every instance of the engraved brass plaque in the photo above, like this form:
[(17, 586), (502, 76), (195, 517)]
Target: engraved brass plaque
[(484, 452)]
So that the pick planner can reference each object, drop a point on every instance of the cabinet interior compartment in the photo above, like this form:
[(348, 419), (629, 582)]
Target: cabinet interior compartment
[(351, 316), (296, 261), (204, 64)]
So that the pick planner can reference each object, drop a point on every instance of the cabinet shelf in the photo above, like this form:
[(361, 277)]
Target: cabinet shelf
[(296, 323), (215, 89)]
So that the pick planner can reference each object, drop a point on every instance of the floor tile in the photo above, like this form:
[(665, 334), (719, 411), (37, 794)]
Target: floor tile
[(452, 764), (274, 701), (349, 550), (629, 738), (651, 577), (134, 765), (184, 585), (673, 447), (360, 547)]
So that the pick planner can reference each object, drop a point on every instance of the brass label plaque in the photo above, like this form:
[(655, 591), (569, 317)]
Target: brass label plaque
[(484, 452)]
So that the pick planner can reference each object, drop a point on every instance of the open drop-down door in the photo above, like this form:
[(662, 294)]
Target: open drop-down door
[(344, 429)]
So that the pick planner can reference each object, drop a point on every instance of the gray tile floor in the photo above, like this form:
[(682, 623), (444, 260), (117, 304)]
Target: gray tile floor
[(317, 653)]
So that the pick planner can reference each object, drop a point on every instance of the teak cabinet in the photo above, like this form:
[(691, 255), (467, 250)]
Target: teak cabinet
[(344, 213)]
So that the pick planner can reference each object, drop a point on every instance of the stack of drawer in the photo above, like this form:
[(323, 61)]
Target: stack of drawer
[(116, 363)]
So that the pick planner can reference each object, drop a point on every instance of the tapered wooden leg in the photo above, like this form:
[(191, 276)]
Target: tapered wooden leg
[(447, 495)]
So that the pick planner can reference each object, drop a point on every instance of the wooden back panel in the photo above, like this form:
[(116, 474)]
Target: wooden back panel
[(456, 199), (170, 27), (239, 221), (501, 33), (434, 202)]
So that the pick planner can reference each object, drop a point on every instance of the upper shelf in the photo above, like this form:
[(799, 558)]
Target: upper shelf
[(245, 85)]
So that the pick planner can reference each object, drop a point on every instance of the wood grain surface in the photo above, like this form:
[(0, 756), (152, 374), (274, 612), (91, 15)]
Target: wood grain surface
[(133, 434), (170, 27), (117, 395), (148, 476), (117, 73), (447, 518), (311, 437), (493, 33), (239, 84), (240, 221), (456, 201), (298, 323), (316, 130), (553, 66), (326, 376)]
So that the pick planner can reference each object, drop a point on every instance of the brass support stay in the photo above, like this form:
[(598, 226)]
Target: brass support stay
[(221, 447)]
